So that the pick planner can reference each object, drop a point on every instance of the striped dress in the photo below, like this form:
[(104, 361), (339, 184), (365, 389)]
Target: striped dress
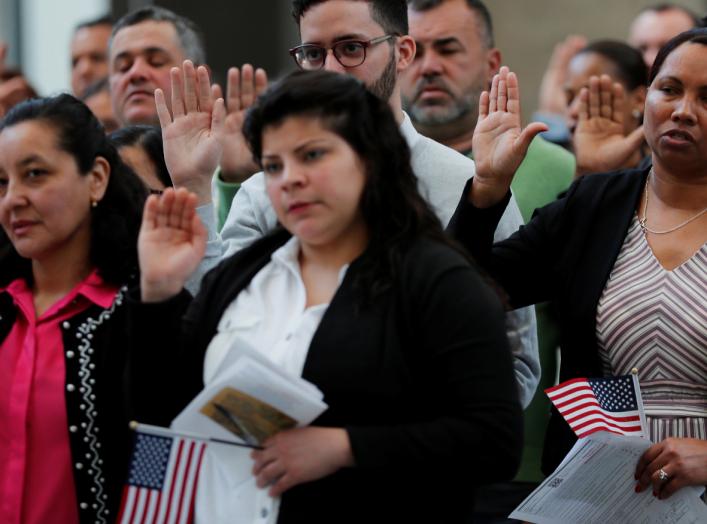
[(655, 320)]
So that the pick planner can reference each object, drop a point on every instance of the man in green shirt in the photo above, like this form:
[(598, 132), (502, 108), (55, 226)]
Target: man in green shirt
[(455, 61)]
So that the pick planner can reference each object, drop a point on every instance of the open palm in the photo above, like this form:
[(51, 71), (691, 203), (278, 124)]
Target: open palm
[(599, 141), (191, 133), (171, 243), (499, 142), (242, 89)]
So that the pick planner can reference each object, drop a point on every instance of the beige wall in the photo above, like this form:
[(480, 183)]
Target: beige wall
[(527, 31)]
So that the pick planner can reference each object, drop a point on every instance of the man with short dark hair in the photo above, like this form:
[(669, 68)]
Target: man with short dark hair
[(655, 25), (89, 53), (144, 46)]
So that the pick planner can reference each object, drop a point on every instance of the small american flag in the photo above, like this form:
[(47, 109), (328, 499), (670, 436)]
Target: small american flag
[(600, 404), (162, 480)]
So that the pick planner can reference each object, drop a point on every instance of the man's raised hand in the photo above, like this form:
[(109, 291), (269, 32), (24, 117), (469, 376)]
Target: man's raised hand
[(242, 89)]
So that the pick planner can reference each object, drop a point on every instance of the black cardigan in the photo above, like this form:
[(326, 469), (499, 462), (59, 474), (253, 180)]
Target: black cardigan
[(422, 380), (95, 360), (565, 254)]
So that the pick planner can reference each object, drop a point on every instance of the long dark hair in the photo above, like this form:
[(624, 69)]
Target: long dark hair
[(392, 208), (115, 222), (149, 138)]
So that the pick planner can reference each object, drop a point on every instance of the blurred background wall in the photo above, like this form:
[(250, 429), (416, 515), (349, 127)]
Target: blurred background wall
[(261, 31)]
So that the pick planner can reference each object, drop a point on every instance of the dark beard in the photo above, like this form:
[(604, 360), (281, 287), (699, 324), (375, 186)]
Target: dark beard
[(384, 85)]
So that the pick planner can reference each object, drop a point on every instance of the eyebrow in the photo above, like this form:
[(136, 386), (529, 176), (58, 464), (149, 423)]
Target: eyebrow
[(298, 149), (144, 51), (342, 38), (441, 42), (308, 143), (30, 160), (671, 79)]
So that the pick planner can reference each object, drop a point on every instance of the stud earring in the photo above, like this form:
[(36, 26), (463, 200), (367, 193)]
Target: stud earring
[(636, 114), (94, 203)]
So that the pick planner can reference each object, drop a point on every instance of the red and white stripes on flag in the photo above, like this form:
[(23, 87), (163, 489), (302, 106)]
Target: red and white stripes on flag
[(162, 480), (600, 404)]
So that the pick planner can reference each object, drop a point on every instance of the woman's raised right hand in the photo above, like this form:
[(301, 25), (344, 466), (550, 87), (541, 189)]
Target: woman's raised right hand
[(499, 143), (171, 244)]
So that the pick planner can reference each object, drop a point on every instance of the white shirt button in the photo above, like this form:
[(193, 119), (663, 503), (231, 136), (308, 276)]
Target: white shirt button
[(69, 354), (65, 325), (79, 465), (70, 388), (73, 429)]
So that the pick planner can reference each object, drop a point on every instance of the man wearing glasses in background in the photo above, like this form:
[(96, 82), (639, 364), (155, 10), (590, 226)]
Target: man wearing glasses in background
[(369, 40)]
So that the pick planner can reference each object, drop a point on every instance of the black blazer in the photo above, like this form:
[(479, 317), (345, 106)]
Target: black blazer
[(422, 380), (565, 254)]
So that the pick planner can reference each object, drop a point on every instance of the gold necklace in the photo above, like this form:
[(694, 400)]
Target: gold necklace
[(642, 221)]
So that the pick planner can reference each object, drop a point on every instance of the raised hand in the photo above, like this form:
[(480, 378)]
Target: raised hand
[(499, 143), (171, 244), (599, 142), (301, 455), (242, 89), (191, 133), (683, 460), (552, 93)]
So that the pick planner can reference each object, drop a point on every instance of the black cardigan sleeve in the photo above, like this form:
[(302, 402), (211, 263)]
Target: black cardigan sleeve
[(527, 263), (458, 333), (163, 374), (168, 340)]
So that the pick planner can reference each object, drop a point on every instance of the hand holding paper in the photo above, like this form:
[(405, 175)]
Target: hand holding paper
[(301, 455), (682, 460)]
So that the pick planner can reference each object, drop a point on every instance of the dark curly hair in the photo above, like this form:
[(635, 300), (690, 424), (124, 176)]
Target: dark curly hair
[(394, 211), (115, 222)]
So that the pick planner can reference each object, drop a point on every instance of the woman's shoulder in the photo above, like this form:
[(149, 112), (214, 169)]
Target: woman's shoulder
[(428, 259), (434, 271), (617, 181), (613, 194)]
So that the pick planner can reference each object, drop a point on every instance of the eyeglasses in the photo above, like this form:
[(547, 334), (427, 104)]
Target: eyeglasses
[(349, 53)]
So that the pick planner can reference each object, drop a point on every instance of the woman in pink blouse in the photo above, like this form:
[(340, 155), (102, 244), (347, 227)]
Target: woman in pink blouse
[(70, 212)]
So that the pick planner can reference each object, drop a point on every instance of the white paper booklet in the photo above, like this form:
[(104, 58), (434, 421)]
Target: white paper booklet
[(251, 400)]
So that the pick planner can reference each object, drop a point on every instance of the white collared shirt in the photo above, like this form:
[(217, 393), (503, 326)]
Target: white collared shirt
[(269, 316)]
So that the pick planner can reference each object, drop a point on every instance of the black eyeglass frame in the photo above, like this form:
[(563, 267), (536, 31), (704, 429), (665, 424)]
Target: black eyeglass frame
[(364, 43)]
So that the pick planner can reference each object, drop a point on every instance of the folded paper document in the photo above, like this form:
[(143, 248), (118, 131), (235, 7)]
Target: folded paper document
[(252, 399)]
